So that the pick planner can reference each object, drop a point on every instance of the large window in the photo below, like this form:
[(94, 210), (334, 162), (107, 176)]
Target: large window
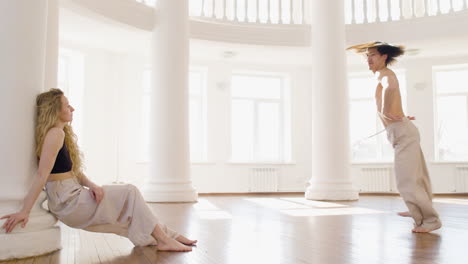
[(259, 118), (364, 121), (451, 98), (70, 78), (197, 108), (197, 115)]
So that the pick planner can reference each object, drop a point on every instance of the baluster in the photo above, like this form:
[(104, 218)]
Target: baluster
[(413, 8), (377, 11), (353, 10), (464, 4), (291, 19), (235, 11), (303, 12), (258, 11), (246, 10), (224, 9), (426, 8), (389, 10), (451, 6), (280, 12), (365, 12), (213, 7), (438, 7), (268, 12), (401, 10), (202, 8)]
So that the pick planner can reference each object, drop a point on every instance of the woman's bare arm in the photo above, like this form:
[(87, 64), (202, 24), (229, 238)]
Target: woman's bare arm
[(52, 144), (96, 191)]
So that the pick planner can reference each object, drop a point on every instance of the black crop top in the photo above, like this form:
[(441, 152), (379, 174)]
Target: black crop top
[(63, 161)]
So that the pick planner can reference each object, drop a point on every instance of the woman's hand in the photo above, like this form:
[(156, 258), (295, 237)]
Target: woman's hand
[(14, 219), (97, 192)]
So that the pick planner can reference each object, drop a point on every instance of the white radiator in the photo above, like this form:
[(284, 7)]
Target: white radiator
[(375, 180), (461, 178), (263, 180)]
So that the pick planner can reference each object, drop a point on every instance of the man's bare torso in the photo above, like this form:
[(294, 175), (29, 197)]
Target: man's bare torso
[(388, 97)]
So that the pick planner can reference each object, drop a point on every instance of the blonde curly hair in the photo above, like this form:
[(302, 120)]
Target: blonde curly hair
[(48, 106)]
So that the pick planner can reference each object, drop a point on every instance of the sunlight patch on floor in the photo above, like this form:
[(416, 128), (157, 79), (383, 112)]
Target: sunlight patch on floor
[(320, 204), (276, 203), (451, 201), (332, 211), (206, 210)]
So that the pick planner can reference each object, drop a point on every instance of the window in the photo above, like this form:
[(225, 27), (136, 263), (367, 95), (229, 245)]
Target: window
[(451, 96), (259, 118), (197, 115), (364, 121), (197, 108), (145, 115), (70, 79)]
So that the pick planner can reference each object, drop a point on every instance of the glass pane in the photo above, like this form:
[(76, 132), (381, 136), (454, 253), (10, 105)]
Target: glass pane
[(268, 132), (145, 129), (362, 87), (451, 81), (248, 86), (362, 125), (146, 81), (196, 130), (452, 128), (195, 82), (242, 130), (63, 67)]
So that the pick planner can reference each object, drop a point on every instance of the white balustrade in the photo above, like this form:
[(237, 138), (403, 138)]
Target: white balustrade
[(295, 11)]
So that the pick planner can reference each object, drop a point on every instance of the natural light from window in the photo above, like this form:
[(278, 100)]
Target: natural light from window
[(451, 99), (259, 118)]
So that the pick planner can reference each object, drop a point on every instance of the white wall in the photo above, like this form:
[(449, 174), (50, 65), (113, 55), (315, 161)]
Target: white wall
[(111, 125)]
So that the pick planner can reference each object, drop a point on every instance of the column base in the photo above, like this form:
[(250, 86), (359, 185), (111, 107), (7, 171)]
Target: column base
[(332, 191), (159, 192), (23, 245)]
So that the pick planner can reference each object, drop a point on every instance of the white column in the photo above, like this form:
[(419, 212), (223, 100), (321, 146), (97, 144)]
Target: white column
[(52, 46), (169, 177), (22, 53), (331, 178)]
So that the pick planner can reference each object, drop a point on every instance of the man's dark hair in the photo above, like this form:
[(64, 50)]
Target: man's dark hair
[(392, 51)]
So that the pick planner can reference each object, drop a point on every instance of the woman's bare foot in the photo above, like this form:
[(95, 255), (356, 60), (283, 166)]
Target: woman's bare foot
[(427, 228), (185, 240), (165, 243), (404, 214)]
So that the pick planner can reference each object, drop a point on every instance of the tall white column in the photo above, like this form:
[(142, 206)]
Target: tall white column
[(52, 46), (331, 178), (169, 177), (22, 53)]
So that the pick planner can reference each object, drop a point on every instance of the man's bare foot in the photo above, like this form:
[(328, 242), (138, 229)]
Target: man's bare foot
[(427, 228), (186, 241), (404, 214), (172, 245)]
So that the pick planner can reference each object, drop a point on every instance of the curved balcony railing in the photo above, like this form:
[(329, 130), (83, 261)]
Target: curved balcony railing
[(296, 11)]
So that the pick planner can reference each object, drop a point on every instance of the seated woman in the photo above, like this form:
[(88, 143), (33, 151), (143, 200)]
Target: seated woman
[(118, 209)]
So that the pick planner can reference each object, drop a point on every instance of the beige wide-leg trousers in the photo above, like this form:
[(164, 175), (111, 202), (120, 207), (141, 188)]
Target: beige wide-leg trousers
[(411, 173), (122, 211)]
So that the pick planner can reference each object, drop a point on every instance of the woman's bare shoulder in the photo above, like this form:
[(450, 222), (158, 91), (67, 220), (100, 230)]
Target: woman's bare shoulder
[(55, 134)]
